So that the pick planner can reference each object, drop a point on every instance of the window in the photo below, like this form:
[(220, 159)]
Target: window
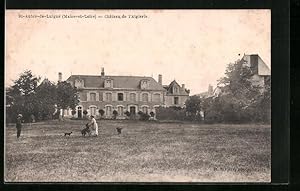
[(120, 111), (132, 97), (145, 97), (156, 97), (92, 96), (108, 97), (145, 109), (120, 96), (175, 90), (176, 100), (144, 84), (79, 83), (93, 110), (108, 83), (108, 110)]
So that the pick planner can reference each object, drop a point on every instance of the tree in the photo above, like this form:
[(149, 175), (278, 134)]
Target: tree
[(115, 113), (101, 112), (21, 96), (237, 83), (26, 84), (85, 113), (241, 101), (144, 116), (152, 114), (73, 112), (127, 113), (193, 106), (45, 99), (67, 96)]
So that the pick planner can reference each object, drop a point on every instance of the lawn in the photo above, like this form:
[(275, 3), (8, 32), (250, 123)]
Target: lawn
[(144, 152)]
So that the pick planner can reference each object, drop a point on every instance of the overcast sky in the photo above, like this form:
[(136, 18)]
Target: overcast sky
[(191, 46)]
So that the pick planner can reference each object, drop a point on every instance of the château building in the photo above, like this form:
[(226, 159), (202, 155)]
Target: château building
[(123, 93)]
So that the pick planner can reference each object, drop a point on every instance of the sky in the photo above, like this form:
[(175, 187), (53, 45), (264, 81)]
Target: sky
[(192, 47)]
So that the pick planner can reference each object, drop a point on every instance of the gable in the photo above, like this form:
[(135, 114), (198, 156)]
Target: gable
[(257, 65), (175, 86)]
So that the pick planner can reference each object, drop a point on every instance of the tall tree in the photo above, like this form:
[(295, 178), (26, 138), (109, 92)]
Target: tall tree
[(193, 105), (45, 99), (241, 100), (21, 95), (25, 84)]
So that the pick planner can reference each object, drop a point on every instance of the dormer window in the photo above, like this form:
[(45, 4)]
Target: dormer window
[(79, 83), (175, 89), (108, 83), (145, 84)]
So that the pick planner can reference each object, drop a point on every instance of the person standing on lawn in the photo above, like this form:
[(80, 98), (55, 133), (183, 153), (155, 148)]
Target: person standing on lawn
[(94, 126), (19, 125)]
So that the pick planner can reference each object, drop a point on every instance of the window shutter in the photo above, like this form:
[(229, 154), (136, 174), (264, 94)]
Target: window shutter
[(100, 94), (104, 96), (88, 96), (97, 96)]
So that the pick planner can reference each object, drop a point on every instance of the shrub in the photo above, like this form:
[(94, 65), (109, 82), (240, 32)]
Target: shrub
[(85, 112), (152, 114), (101, 112), (171, 114), (115, 113), (127, 113), (73, 112), (144, 116)]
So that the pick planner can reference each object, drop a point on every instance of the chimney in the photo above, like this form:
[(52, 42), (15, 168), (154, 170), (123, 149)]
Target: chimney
[(102, 72), (183, 86), (160, 79), (59, 76)]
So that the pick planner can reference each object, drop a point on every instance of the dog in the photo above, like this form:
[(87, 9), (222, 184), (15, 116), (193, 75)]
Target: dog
[(119, 130), (68, 134), (86, 130)]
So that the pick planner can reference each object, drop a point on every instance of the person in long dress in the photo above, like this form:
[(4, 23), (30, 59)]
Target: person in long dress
[(94, 126)]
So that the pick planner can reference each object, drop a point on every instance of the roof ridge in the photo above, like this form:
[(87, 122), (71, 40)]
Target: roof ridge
[(111, 76)]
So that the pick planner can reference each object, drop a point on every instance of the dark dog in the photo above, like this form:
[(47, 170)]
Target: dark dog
[(119, 130), (86, 130), (68, 134)]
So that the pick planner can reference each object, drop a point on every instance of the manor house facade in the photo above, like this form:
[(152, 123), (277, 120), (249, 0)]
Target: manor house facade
[(124, 93)]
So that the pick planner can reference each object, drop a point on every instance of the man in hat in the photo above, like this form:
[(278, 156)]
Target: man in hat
[(19, 125)]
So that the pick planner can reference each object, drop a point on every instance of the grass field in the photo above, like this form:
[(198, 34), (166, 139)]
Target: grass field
[(144, 152)]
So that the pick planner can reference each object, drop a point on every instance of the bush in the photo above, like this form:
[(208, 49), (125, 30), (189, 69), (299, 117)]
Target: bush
[(85, 113), (101, 112), (115, 113), (144, 116), (127, 113), (170, 114), (73, 112), (152, 114)]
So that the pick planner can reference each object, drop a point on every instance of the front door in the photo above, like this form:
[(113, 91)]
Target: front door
[(79, 112), (132, 110)]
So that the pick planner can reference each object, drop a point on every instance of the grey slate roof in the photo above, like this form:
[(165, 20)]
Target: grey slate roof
[(124, 82), (262, 68), (182, 91)]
